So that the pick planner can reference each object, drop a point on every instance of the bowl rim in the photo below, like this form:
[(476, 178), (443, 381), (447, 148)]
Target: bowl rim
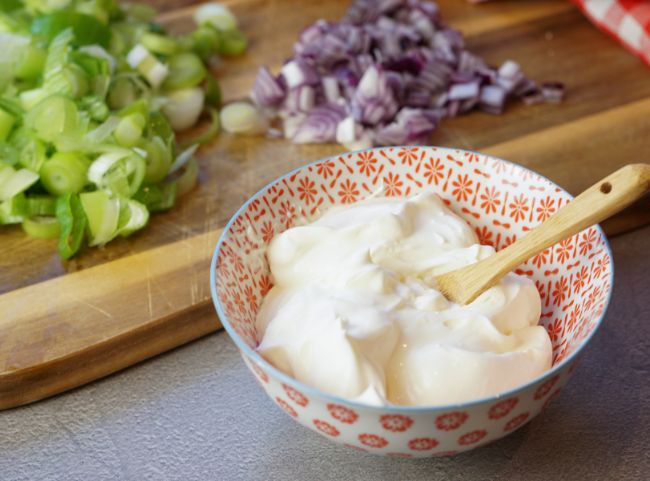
[(401, 409)]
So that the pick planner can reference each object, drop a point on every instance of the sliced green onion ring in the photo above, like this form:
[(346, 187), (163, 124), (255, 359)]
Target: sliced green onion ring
[(102, 212), (40, 205), (42, 227), (159, 159), (129, 131), (157, 197), (159, 44), (233, 42), (72, 223), (188, 179), (65, 172), (120, 172), (185, 70), (13, 211), (13, 182), (133, 216)]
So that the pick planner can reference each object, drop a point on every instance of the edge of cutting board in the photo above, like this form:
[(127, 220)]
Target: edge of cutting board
[(73, 329)]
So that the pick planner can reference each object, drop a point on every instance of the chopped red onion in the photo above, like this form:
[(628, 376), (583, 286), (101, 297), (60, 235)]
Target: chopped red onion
[(509, 69), (387, 73), (373, 101), (464, 91), (267, 91), (299, 72), (553, 91), (492, 99), (320, 125), (331, 89), (410, 126)]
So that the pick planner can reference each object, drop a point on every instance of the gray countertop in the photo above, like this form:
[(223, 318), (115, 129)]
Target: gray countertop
[(197, 414)]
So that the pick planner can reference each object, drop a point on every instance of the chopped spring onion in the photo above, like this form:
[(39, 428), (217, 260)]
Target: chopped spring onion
[(96, 107), (122, 93), (7, 122), (159, 44), (218, 16), (42, 227), (159, 160), (13, 182), (148, 65), (129, 130), (91, 92), (133, 216), (242, 118), (184, 107), (102, 212), (87, 29), (158, 126), (13, 210), (72, 224), (205, 41), (31, 63), (233, 42), (183, 158), (120, 172), (40, 205), (158, 197), (103, 131), (185, 70), (188, 178), (53, 117), (65, 172)]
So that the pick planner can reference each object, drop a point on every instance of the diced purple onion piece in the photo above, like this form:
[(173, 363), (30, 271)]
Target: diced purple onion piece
[(306, 98), (553, 91), (313, 32), (373, 101), (319, 126), (299, 72), (404, 64), (291, 123), (410, 126), (331, 89), (267, 91), (418, 97), (346, 76), (532, 96), (509, 69), (510, 83), (492, 99), (468, 90)]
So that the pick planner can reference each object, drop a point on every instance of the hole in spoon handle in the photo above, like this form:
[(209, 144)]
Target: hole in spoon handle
[(605, 187)]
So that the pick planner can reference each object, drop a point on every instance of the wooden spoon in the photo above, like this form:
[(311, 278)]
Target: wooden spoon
[(594, 205)]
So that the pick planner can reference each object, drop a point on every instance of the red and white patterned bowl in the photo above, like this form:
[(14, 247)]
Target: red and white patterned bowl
[(501, 201)]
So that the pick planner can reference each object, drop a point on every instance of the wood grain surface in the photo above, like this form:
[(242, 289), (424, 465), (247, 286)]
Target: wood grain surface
[(49, 307)]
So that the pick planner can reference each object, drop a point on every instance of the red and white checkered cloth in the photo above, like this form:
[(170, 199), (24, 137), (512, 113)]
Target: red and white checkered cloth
[(626, 20)]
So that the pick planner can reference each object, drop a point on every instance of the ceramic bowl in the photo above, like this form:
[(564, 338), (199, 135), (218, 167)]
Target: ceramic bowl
[(501, 201)]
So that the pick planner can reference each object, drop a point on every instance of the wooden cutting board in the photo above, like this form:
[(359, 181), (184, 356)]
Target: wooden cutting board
[(63, 324)]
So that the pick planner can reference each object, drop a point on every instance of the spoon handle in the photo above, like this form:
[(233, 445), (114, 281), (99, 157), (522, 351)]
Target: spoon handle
[(595, 204)]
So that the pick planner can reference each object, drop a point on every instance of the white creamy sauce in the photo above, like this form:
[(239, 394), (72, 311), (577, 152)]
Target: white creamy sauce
[(355, 311)]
